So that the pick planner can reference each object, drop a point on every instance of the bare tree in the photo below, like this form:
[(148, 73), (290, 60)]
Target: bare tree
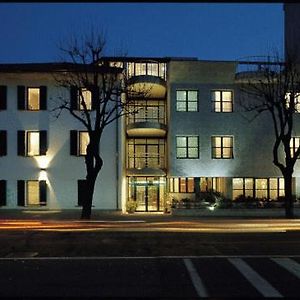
[(274, 88), (110, 99)]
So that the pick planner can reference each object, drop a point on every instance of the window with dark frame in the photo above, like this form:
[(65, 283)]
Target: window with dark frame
[(187, 147), (32, 143), (187, 100), (222, 100), (222, 147), (181, 185), (79, 94), (32, 193), (270, 188), (294, 145), (32, 98), (78, 142)]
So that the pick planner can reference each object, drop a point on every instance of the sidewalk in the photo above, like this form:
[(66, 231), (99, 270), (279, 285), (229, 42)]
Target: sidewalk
[(112, 215)]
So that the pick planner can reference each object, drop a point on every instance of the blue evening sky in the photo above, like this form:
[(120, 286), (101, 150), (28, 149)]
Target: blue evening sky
[(29, 32)]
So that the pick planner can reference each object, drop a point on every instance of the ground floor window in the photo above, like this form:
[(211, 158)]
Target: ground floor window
[(269, 188), (147, 192), (32, 192), (181, 185)]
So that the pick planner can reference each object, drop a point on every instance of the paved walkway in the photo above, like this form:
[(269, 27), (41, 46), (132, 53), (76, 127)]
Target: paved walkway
[(74, 214)]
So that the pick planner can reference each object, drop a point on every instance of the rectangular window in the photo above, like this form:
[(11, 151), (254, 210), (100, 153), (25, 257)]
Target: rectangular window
[(187, 147), (294, 145), (222, 101), (187, 100), (32, 192), (181, 185), (32, 143), (78, 142), (222, 147), (84, 140), (87, 99), (32, 98), (296, 101), (269, 188), (3, 97)]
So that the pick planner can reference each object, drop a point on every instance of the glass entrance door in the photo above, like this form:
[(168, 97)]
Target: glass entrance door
[(147, 192)]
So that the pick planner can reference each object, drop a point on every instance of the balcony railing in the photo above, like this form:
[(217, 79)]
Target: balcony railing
[(146, 160)]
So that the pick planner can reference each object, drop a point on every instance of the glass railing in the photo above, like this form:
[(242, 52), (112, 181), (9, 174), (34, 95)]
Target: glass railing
[(146, 160)]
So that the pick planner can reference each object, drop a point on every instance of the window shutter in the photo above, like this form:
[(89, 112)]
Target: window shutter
[(21, 97), (21, 193), (43, 98), (3, 97), (81, 191), (74, 98), (21, 142), (73, 142), (43, 142), (2, 192), (95, 97), (43, 192), (3, 143)]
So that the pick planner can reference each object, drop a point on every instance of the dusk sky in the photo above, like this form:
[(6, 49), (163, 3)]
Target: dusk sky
[(30, 32)]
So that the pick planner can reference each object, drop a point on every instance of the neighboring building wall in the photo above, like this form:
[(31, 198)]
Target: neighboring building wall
[(62, 169)]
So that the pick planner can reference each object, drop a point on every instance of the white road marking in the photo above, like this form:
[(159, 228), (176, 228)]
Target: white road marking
[(288, 264), (262, 285), (196, 280)]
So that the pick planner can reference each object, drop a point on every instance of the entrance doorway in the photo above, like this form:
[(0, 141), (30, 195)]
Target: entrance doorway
[(148, 192)]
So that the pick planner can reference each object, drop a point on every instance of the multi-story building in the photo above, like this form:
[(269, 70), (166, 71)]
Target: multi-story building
[(190, 134)]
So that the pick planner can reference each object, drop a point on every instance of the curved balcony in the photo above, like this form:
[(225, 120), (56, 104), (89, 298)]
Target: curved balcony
[(147, 86), (146, 129)]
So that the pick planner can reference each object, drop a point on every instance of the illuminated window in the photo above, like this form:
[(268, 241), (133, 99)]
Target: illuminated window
[(78, 96), (242, 187), (294, 145), (269, 188), (32, 192), (116, 64), (32, 98), (212, 183), (187, 146), (181, 185), (146, 153), (78, 142), (222, 101), (146, 68), (222, 147), (84, 140), (32, 143), (87, 98), (186, 100), (296, 101)]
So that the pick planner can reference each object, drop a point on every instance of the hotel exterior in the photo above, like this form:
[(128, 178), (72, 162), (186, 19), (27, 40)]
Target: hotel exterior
[(189, 135)]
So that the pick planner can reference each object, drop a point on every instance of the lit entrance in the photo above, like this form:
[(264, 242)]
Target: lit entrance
[(148, 192)]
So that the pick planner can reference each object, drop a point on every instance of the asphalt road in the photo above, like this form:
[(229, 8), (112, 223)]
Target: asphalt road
[(153, 277)]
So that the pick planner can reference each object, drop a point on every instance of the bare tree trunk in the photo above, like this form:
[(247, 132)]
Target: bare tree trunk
[(88, 198), (289, 201)]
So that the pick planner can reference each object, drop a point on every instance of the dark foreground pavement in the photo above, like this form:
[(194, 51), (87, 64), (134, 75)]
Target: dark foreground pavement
[(151, 278)]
